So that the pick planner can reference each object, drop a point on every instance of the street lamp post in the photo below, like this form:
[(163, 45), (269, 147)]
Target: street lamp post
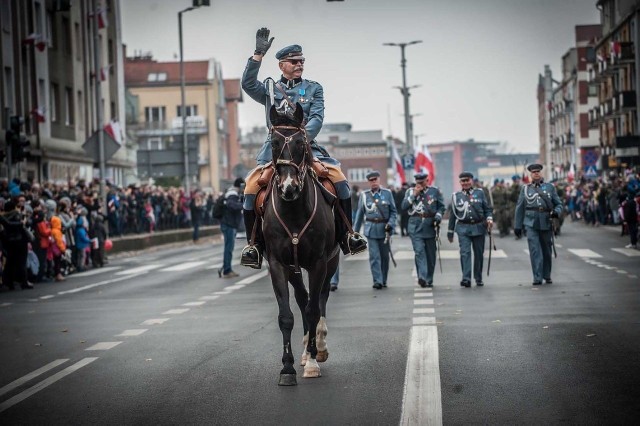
[(405, 93), (185, 142)]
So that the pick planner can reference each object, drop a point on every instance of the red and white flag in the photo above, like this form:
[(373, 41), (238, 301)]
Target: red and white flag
[(424, 163), (114, 130), (39, 114), (104, 72), (101, 14), (36, 40), (572, 174), (398, 171)]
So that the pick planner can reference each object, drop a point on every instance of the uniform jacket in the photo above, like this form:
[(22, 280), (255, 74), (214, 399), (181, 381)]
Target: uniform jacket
[(375, 210), (429, 202), (534, 204), (468, 212), (308, 93)]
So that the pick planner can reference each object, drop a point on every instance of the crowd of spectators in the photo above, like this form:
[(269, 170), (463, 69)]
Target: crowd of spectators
[(67, 230)]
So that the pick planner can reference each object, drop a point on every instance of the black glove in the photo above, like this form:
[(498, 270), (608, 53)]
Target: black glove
[(436, 221), (388, 227), (553, 214), (263, 43), (518, 232)]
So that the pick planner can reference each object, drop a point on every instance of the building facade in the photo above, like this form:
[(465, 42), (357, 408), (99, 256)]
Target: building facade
[(155, 118), (49, 78)]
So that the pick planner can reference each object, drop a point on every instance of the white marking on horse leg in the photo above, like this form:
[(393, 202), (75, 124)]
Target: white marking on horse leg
[(287, 182), (321, 334), (312, 369), (305, 355)]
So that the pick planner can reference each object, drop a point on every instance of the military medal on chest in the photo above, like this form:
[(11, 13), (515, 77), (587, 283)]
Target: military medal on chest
[(302, 99)]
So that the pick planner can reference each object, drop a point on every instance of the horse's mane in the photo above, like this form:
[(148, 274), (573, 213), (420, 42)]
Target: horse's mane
[(287, 116)]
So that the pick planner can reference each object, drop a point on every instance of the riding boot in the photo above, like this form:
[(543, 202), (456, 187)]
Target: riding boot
[(252, 254), (350, 243)]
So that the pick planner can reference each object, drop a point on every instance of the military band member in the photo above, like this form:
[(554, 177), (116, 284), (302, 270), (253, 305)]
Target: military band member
[(309, 94), (470, 216), (538, 203), (377, 210), (425, 206)]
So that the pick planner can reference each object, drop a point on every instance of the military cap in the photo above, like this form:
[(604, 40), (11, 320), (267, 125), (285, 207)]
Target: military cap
[(420, 176), (496, 181), (290, 52), (464, 175), (373, 174), (534, 167), (515, 177)]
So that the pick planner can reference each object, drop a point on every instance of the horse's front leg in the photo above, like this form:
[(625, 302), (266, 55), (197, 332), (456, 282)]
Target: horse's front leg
[(302, 298), (312, 313), (322, 330), (285, 322)]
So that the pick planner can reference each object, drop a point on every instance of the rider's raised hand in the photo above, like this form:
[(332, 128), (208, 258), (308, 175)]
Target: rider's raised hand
[(263, 43)]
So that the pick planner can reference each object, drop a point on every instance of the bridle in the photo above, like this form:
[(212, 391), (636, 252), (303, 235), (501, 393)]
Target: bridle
[(302, 167)]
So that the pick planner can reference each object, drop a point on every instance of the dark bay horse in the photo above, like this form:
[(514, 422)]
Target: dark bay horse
[(299, 233)]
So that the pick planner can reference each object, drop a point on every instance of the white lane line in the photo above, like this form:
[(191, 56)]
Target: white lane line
[(423, 295), (633, 276), (103, 346), (424, 320), (627, 251), (219, 265), (182, 266), (133, 332), (422, 289), (253, 278), (98, 284), (422, 399), (24, 379), (48, 296), (584, 253), (175, 311), (423, 302), (43, 384), (527, 251), (558, 245), (417, 311), (208, 297), (234, 287), (222, 293), (144, 268), (96, 271), (155, 321), (193, 303), (620, 271), (4, 305)]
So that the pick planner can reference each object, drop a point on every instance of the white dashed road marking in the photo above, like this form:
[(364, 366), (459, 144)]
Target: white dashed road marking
[(424, 320), (193, 303), (182, 266), (175, 311), (24, 379), (48, 296), (103, 346), (627, 252), (423, 302), (155, 321), (417, 311), (134, 332), (253, 278), (584, 253), (208, 297), (423, 295), (96, 271), (144, 268)]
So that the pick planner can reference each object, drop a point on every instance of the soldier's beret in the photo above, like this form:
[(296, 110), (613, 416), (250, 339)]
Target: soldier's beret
[(373, 174), (464, 175), (534, 167), (290, 52), (515, 177), (496, 181), (420, 176)]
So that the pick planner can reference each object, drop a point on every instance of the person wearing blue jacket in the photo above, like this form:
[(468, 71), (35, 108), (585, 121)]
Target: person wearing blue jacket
[(82, 239)]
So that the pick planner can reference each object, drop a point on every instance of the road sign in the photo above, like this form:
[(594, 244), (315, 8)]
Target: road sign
[(590, 172), (408, 161)]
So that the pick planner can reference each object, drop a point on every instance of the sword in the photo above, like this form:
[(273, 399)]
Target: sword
[(438, 246), (553, 238), (387, 241), (492, 245)]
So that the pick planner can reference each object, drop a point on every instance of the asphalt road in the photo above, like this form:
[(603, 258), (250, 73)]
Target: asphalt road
[(159, 339)]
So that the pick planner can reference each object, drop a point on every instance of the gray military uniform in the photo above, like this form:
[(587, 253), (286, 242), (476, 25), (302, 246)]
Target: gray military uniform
[(535, 203), (468, 213)]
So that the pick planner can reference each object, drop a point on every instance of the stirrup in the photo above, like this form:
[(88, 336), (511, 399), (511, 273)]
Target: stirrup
[(251, 257), (355, 243)]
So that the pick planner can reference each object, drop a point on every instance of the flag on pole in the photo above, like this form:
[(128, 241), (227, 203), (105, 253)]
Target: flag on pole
[(104, 72), (114, 130), (424, 163), (102, 18), (39, 114), (398, 175), (36, 40)]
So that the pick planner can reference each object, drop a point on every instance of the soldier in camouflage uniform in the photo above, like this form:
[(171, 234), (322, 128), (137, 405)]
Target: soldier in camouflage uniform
[(514, 194), (501, 207)]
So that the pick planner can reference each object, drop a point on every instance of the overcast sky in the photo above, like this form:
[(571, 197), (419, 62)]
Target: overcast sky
[(477, 65)]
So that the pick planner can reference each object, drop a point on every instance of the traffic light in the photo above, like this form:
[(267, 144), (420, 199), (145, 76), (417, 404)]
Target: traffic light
[(17, 143)]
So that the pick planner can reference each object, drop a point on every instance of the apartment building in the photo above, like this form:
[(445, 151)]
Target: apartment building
[(49, 77), (154, 117)]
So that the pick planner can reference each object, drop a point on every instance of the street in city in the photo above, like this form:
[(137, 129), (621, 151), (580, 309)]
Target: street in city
[(158, 338)]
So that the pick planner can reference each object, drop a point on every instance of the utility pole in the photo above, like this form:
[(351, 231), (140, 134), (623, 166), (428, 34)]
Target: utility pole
[(99, 112), (185, 142), (405, 93)]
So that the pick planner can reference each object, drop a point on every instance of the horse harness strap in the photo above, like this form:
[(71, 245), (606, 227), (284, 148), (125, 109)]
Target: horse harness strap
[(295, 237)]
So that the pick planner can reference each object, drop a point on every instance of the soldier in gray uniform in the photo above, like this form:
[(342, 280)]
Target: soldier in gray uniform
[(538, 203), (377, 210), (471, 216), (310, 96), (425, 206)]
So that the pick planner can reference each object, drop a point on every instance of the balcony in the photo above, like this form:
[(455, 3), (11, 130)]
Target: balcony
[(627, 148), (626, 55), (627, 100), (196, 125)]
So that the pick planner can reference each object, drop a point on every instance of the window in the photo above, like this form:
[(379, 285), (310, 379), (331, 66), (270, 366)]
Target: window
[(5, 16), (152, 76), (80, 105), (114, 112), (151, 144), (112, 60), (162, 76), (68, 106), (358, 174), (9, 87), (38, 16), (191, 110), (155, 114), (78, 40), (52, 30), (66, 36), (53, 108)]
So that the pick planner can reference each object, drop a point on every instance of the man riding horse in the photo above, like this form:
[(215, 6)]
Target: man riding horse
[(290, 89)]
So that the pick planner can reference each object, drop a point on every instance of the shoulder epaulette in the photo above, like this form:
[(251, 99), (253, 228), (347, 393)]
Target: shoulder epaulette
[(313, 82)]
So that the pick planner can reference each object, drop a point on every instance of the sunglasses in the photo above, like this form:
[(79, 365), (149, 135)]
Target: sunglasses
[(465, 180), (295, 61)]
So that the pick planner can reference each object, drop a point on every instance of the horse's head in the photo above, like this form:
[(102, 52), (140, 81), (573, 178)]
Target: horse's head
[(290, 150)]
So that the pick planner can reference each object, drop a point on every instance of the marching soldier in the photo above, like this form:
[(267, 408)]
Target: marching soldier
[(514, 193), (468, 213), (378, 210), (425, 207), (501, 207), (538, 203)]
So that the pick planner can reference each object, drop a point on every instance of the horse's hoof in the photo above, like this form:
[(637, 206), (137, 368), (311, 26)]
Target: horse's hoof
[(287, 380), (304, 358), (311, 372), (322, 356)]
